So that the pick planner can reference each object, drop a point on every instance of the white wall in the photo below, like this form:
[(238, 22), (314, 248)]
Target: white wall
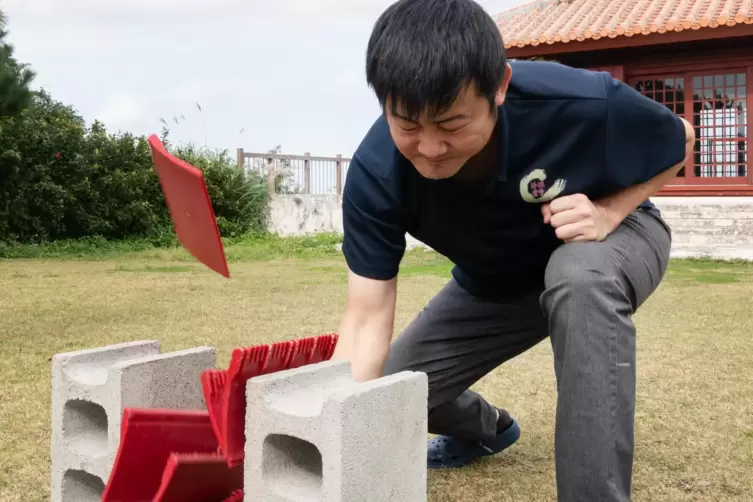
[(715, 226)]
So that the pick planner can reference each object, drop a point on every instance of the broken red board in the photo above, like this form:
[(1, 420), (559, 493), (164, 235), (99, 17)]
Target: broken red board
[(254, 361), (190, 207), (245, 364), (213, 383), (148, 438), (199, 478)]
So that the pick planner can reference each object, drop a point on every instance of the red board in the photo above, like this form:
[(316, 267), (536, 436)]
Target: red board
[(148, 438), (199, 478), (213, 383), (194, 455), (190, 208), (225, 391)]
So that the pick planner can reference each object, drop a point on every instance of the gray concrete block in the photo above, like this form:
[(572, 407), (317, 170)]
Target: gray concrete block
[(313, 434), (90, 390)]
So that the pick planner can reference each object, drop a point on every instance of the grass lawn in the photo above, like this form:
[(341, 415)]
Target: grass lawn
[(695, 390)]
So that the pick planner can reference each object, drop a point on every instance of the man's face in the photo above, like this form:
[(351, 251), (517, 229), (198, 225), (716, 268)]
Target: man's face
[(438, 146)]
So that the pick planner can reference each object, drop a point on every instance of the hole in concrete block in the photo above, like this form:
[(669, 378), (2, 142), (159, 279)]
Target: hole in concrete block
[(80, 486), (292, 468), (85, 427)]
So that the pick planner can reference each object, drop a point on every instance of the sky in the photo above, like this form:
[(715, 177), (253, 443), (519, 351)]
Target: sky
[(252, 66)]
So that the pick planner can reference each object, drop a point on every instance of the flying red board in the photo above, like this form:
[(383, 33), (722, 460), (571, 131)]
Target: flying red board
[(190, 207)]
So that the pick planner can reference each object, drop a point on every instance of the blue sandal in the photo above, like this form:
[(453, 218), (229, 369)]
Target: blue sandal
[(449, 452)]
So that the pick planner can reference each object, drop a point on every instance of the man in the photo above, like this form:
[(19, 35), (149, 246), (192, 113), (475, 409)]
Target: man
[(534, 179)]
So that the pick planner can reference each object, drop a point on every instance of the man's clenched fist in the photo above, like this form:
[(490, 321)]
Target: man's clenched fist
[(577, 218)]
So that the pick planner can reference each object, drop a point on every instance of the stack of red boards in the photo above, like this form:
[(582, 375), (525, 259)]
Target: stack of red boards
[(225, 391), (190, 207), (197, 456)]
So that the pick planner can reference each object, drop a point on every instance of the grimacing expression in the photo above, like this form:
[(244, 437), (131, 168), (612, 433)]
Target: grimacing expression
[(438, 146)]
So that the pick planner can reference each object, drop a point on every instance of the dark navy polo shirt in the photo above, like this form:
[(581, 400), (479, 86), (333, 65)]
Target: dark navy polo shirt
[(561, 131)]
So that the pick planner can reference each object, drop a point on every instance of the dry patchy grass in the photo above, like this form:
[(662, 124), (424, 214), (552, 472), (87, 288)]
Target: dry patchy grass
[(695, 406)]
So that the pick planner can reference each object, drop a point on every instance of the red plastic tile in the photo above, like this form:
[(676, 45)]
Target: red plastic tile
[(280, 355), (225, 392), (237, 496), (303, 353), (246, 364), (148, 438), (214, 383), (190, 207), (199, 478), (325, 347)]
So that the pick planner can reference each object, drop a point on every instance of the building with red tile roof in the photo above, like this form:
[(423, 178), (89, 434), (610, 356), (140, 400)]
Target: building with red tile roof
[(694, 56)]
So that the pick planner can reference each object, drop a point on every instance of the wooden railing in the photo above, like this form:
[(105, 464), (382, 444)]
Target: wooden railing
[(304, 174)]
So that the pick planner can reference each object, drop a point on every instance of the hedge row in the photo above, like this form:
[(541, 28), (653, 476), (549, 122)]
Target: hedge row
[(60, 179)]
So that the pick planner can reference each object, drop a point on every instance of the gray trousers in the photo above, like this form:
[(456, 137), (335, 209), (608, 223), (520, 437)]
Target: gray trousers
[(591, 291)]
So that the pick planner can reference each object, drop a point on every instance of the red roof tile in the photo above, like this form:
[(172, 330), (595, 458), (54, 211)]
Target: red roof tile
[(562, 21)]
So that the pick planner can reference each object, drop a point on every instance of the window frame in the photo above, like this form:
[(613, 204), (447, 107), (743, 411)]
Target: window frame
[(680, 179), (689, 177)]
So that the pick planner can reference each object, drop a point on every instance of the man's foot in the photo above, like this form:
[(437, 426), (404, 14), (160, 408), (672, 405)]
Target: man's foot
[(450, 452)]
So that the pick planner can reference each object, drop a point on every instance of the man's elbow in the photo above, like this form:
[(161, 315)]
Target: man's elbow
[(689, 134), (689, 141)]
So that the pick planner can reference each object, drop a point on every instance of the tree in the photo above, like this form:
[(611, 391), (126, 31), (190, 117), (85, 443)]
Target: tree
[(15, 78)]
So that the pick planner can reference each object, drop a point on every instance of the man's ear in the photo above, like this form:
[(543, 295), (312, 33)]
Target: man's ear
[(499, 98)]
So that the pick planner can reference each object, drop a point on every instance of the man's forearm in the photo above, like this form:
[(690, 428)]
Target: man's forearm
[(619, 205)]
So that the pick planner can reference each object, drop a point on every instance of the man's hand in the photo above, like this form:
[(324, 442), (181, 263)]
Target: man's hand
[(576, 218)]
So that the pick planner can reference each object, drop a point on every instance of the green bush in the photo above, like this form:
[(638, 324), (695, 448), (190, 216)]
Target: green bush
[(240, 199), (60, 180), (40, 163), (117, 189)]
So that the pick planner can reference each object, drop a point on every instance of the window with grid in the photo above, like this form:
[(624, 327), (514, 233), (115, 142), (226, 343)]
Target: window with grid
[(721, 122), (717, 107), (668, 91)]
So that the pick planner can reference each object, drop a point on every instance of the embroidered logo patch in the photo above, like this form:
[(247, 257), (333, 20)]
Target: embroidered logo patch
[(533, 187)]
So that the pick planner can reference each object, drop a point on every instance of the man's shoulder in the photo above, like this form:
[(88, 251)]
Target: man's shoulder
[(377, 155), (546, 80), (374, 174)]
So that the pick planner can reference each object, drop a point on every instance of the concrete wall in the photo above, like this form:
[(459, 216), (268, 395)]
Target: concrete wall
[(702, 226), (721, 227)]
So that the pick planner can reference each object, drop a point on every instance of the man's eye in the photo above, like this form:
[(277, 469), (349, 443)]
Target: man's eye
[(453, 128)]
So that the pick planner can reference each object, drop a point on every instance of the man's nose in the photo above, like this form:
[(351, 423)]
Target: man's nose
[(431, 146)]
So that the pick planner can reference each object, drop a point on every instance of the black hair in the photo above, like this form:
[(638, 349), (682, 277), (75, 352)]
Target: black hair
[(422, 53)]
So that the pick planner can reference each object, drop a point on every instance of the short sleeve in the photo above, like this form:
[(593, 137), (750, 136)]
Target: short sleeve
[(374, 236), (644, 138)]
